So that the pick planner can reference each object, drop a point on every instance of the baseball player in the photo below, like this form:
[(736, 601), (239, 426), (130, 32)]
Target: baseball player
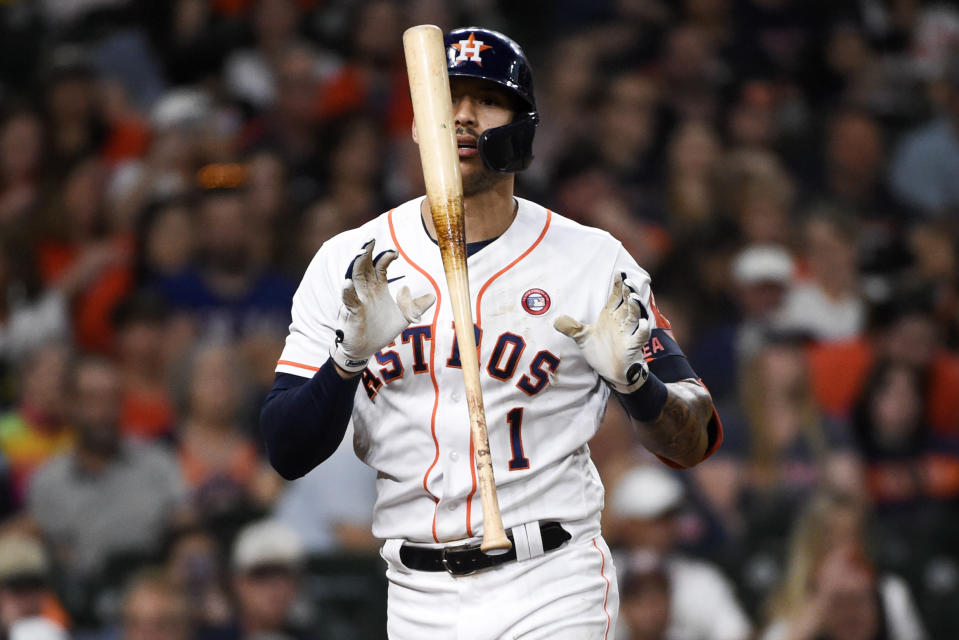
[(563, 317)]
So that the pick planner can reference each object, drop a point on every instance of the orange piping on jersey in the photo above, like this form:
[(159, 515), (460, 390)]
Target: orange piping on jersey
[(290, 363), (479, 296), (479, 323), (602, 572), (436, 388)]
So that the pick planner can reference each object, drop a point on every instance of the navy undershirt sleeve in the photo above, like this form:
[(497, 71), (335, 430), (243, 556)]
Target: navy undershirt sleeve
[(303, 420)]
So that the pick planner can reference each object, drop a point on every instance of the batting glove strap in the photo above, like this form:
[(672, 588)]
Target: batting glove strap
[(635, 377), (646, 402), (370, 317), (346, 362)]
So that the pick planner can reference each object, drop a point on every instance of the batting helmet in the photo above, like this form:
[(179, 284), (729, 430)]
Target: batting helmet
[(474, 52)]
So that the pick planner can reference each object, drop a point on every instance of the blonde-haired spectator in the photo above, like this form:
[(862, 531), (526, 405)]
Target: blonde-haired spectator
[(791, 447), (831, 589)]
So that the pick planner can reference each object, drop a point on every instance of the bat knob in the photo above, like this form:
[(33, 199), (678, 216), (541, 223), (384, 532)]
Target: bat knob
[(495, 545)]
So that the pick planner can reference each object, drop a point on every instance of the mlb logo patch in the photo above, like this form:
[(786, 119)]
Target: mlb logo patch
[(536, 302)]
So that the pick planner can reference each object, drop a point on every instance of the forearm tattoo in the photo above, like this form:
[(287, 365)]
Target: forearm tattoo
[(679, 433)]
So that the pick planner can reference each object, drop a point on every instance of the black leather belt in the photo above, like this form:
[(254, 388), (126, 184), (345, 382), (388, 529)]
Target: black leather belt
[(462, 561)]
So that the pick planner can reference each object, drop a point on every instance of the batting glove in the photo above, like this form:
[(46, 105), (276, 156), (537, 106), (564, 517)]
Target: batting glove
[(370, 318), (613, 345)]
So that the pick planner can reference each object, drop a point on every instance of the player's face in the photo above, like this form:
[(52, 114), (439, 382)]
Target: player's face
[(478, 105)]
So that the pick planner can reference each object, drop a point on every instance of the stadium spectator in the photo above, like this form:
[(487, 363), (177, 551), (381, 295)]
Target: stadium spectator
[(904, 330), (828, 305), (21, 167), (645, 598), (219, 461), (760, 277), (291, 126), (194, 564), (702, 602), (269, 207), (926, 163), (147, 405), (831, 588), (267, 564), (38, 428), (25, 584), (30, 315), (75, 129), (373, 80), (135, 490), (912, 473), (763, 207), (166, 239), (694, 154), (854, 163), (249, 74), (180, 121), (154, 609), (788, 446), (83, 252), (226, 293)]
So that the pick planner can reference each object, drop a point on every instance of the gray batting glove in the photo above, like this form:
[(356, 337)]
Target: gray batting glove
[(613, 345), (370, 318)]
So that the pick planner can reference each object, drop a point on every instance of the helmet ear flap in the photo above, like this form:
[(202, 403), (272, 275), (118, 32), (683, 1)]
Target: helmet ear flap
[(509, 148)]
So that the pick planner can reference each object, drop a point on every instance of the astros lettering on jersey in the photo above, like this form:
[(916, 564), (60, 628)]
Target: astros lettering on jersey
[(543, 402)]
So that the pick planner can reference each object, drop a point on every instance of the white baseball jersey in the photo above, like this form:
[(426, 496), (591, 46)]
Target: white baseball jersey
[(543, 402)]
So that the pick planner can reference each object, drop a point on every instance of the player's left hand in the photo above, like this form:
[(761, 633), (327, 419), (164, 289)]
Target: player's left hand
[(370, 318), (613, 345)]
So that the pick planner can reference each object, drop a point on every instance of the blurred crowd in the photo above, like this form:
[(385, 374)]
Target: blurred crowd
[(786, 170)]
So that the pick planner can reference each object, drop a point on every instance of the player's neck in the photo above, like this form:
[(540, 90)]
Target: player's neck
[(488, 214)]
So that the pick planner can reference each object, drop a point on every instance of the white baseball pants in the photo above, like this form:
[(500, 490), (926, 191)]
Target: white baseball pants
[(566, 594)]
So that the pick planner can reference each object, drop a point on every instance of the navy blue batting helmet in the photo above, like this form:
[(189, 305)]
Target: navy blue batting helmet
[(474, 52)]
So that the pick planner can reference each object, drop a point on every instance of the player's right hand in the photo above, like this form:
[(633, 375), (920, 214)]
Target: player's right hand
[(370, 318)]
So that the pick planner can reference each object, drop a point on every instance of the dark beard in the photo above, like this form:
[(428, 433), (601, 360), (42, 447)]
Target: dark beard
[(481, 182), (99, 440)]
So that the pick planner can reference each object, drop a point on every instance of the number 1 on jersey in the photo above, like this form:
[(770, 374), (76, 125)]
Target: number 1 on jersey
[(519, 459)]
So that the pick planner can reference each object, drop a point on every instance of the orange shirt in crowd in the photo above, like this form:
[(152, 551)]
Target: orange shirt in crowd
[(128, 138), (93, 307), (346, 92), (147, 414), (838, 371), (241, 466), (930, 476)]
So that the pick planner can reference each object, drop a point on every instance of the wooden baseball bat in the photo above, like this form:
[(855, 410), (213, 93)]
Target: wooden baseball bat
[(433, 112)]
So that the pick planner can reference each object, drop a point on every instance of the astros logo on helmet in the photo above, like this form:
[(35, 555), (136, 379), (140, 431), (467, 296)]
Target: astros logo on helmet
[(470, 49)]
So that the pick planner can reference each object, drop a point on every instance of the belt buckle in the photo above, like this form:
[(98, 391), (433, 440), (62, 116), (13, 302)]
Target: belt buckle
[(446, 565)]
